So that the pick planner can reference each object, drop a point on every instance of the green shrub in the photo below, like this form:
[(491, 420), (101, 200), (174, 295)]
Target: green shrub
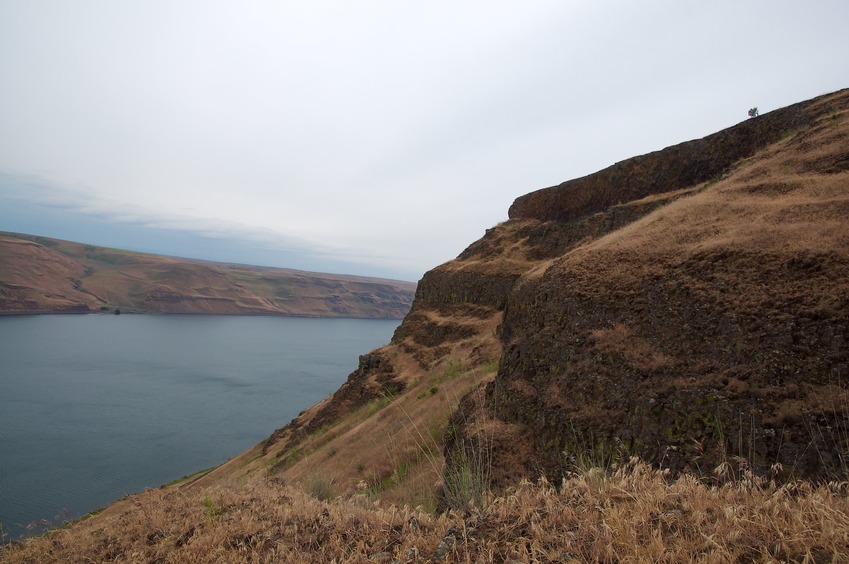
[(453, 369), (320, 486), (467, 481), (211, 509), (490, 366)]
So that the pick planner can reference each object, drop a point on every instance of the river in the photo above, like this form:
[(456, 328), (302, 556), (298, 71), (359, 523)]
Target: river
[(93, 407)]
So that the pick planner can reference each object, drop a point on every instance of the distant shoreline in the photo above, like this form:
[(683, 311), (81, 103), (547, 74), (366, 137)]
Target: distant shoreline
[(44, 275), (175, 313)]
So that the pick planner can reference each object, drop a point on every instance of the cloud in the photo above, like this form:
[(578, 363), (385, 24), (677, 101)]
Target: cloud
[(32, 205), (389, 134)]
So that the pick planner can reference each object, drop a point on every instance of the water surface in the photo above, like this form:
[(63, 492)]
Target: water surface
[(93, 407)]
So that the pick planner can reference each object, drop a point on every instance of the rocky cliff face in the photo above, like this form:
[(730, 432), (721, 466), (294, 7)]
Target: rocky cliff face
[(685, 164), (688, 306)]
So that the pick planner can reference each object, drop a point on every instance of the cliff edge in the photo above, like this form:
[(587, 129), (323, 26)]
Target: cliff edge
[(688, 307)]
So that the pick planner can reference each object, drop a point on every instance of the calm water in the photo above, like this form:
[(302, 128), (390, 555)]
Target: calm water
[(93, 407)]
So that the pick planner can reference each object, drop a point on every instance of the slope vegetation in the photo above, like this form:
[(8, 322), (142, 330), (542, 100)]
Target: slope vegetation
[(42, 275)]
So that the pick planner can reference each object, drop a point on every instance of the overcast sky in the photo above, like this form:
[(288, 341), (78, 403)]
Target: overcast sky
[(374, 137)]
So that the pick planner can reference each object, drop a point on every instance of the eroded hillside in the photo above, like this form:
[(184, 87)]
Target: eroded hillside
[(43, 275), (701, 321), (713, 327)]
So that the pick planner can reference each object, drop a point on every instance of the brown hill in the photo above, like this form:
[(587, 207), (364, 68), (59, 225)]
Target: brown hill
[(688, 315), (688, 307), (713, 326), (42, 275), (696, 324)]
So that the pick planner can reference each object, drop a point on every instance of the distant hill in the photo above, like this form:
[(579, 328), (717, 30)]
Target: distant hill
[(43, 275)]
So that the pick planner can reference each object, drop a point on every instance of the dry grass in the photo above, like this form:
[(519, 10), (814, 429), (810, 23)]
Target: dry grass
[(639, 353), (394, 444), (632, 513), (791, 197)]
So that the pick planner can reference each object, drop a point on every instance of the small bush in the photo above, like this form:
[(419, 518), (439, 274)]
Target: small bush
[(490, 366), (320, 486), (211, 509), (467, 480), (376, 405), (453, 369)]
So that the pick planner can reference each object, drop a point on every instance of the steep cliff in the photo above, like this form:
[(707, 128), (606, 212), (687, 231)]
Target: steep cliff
[(688, 306)]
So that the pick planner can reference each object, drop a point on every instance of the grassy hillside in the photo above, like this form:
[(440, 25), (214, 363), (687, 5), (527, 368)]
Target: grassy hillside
[(661, 377), (712, 326), (42, 275), (631, 514)]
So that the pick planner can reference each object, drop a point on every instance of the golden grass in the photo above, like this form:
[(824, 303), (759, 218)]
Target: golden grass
[(394, 447), (636, 352), (633, 513), (784, 199)]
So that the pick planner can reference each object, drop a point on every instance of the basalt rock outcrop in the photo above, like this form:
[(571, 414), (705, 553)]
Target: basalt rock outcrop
[(685, 164), (689, 306), (373, 379)]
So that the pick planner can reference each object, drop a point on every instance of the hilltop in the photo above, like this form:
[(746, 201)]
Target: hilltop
[(44, 275), (647, 363)]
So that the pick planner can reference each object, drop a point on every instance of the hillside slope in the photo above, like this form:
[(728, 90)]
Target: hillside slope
[(43, 275), (689, 315), (715, 326), (688, 307)]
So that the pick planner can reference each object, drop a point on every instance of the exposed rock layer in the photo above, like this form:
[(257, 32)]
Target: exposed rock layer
[(687, 323), (689, 306), (685, 164)]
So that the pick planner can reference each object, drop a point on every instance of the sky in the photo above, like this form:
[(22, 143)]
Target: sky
[(377, 138)]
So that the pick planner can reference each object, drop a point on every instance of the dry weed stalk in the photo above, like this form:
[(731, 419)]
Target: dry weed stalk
[(636, 514)]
